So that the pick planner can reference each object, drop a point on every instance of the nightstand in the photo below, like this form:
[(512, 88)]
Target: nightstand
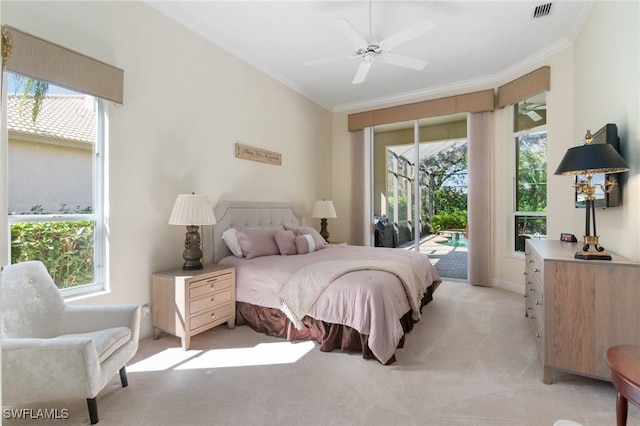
[(186, 303)]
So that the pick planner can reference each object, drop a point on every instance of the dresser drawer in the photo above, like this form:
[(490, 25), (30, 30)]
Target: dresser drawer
[(210, 301), (534, 265), (217, 315), (209, 285)]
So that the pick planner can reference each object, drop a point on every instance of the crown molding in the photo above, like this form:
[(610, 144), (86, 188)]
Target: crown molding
[(174, 12)]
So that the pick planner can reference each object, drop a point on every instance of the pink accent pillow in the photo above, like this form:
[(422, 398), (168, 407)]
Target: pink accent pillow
[(307, 230), (286, 242), (256, 242), (306, 244)]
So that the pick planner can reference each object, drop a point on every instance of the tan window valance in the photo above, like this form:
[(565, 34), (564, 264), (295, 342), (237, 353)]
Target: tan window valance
[(42, 60), (521, 88), (469, 102)]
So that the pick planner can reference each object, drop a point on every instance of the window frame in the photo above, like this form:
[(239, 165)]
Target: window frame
[(98, 217), (515, 213)]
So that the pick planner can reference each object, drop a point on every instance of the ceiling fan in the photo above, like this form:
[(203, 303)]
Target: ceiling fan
[(530, 109), (371, 47)]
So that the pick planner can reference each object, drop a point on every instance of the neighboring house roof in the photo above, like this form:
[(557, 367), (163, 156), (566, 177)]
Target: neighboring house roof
[(64, 117)]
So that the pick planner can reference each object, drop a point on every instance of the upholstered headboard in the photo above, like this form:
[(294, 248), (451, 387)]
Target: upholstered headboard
[(241, 214)]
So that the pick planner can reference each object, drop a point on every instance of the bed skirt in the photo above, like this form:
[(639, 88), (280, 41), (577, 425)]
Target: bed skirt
[(273, 322)]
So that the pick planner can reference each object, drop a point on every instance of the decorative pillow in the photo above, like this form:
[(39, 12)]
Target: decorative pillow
[(307, 230), (306, 244), (230, 238), (286, 242), (256, 242)]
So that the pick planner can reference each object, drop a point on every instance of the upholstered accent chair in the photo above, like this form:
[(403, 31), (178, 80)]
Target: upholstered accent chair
[(52, 351)]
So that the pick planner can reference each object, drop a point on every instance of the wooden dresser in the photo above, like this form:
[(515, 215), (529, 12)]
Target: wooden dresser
[(579, 308), (186, 303)]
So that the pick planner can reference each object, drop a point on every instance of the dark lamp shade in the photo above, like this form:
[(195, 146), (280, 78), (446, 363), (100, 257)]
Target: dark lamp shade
[(591, 159)]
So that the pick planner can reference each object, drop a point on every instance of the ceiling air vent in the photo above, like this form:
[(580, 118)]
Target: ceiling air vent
[(542, 10)]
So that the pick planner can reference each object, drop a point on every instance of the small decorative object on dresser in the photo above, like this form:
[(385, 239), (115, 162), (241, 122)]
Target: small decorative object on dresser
[(578, 309), (188, 303)]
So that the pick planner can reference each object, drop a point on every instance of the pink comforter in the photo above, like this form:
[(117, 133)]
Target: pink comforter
[(371, 302)]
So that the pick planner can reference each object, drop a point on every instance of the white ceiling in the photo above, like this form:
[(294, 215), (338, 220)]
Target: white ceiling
[(474, 44)]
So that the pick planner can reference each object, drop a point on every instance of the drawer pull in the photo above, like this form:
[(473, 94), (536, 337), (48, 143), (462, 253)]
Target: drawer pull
[(530, 260), (530, 288), (536, 270), (538, 303), (538, 335), (213, 286), (213, 300), (533, 317), (529, 308), (213, 316), (524, 273)]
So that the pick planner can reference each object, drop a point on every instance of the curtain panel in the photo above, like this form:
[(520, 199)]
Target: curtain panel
[(479, 201)]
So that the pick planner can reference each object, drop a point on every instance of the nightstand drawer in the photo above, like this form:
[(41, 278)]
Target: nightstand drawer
[(210, 301), (220, 314), (206, 286)]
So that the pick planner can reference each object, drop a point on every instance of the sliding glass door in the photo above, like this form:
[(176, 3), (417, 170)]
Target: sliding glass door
[(418, 182)]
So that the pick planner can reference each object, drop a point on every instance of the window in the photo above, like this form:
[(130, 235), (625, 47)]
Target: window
[(530, 180), (55, 184)]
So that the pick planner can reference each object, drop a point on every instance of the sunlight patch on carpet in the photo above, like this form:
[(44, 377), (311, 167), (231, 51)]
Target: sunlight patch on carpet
[(261, 354)]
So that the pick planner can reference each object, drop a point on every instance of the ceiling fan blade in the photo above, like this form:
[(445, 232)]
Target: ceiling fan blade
[(328, 60), (361, 74), (409, 33), (404, 61), (351, 34), (534, 115)]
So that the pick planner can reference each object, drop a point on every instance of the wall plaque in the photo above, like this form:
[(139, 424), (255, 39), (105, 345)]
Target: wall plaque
[(258, 154)]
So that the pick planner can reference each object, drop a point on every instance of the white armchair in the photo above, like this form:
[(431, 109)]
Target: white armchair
[(53, 351)]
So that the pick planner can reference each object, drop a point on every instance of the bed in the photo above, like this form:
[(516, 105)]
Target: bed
[(344, 297)]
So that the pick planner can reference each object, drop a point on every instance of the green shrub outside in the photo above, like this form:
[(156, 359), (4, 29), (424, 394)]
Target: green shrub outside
[(65, 248), (456, 219)]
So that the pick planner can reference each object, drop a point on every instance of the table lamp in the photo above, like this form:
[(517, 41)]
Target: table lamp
[(192, 211), (324, 209), (587, 160)]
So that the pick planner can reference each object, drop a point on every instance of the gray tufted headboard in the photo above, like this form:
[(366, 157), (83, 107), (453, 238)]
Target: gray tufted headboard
[(241, 214)]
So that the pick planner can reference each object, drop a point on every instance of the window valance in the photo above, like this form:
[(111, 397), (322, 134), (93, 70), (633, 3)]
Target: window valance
[(521, 88), (482, 101), (39, 59)]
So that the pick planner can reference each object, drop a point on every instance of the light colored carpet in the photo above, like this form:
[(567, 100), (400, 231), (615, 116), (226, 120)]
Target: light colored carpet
[(471, 361)]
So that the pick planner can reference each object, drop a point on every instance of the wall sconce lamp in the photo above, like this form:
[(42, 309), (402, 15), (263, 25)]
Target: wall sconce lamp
[(192, 211), (587, 160), (324, 209)]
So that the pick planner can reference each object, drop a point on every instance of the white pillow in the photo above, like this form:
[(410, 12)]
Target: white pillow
[(231, 240)]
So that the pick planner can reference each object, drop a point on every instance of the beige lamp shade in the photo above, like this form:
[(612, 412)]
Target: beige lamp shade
[(192, 209), (324, 209)]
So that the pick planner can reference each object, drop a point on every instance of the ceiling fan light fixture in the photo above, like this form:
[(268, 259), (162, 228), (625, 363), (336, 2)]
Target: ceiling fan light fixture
[(370, 47)]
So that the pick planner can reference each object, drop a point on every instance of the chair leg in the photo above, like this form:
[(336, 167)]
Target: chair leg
[(123, 377), (93, 410)]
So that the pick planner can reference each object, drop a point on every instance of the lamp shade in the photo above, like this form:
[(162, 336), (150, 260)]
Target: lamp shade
[(591, 159), (324, 209), (192, 209)]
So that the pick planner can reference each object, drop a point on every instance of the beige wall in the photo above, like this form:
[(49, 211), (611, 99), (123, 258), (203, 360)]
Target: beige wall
[(607, 90), (594, 82), (186, 103)]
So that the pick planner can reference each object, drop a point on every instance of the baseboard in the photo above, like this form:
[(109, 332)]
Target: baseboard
[(516, 288)]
